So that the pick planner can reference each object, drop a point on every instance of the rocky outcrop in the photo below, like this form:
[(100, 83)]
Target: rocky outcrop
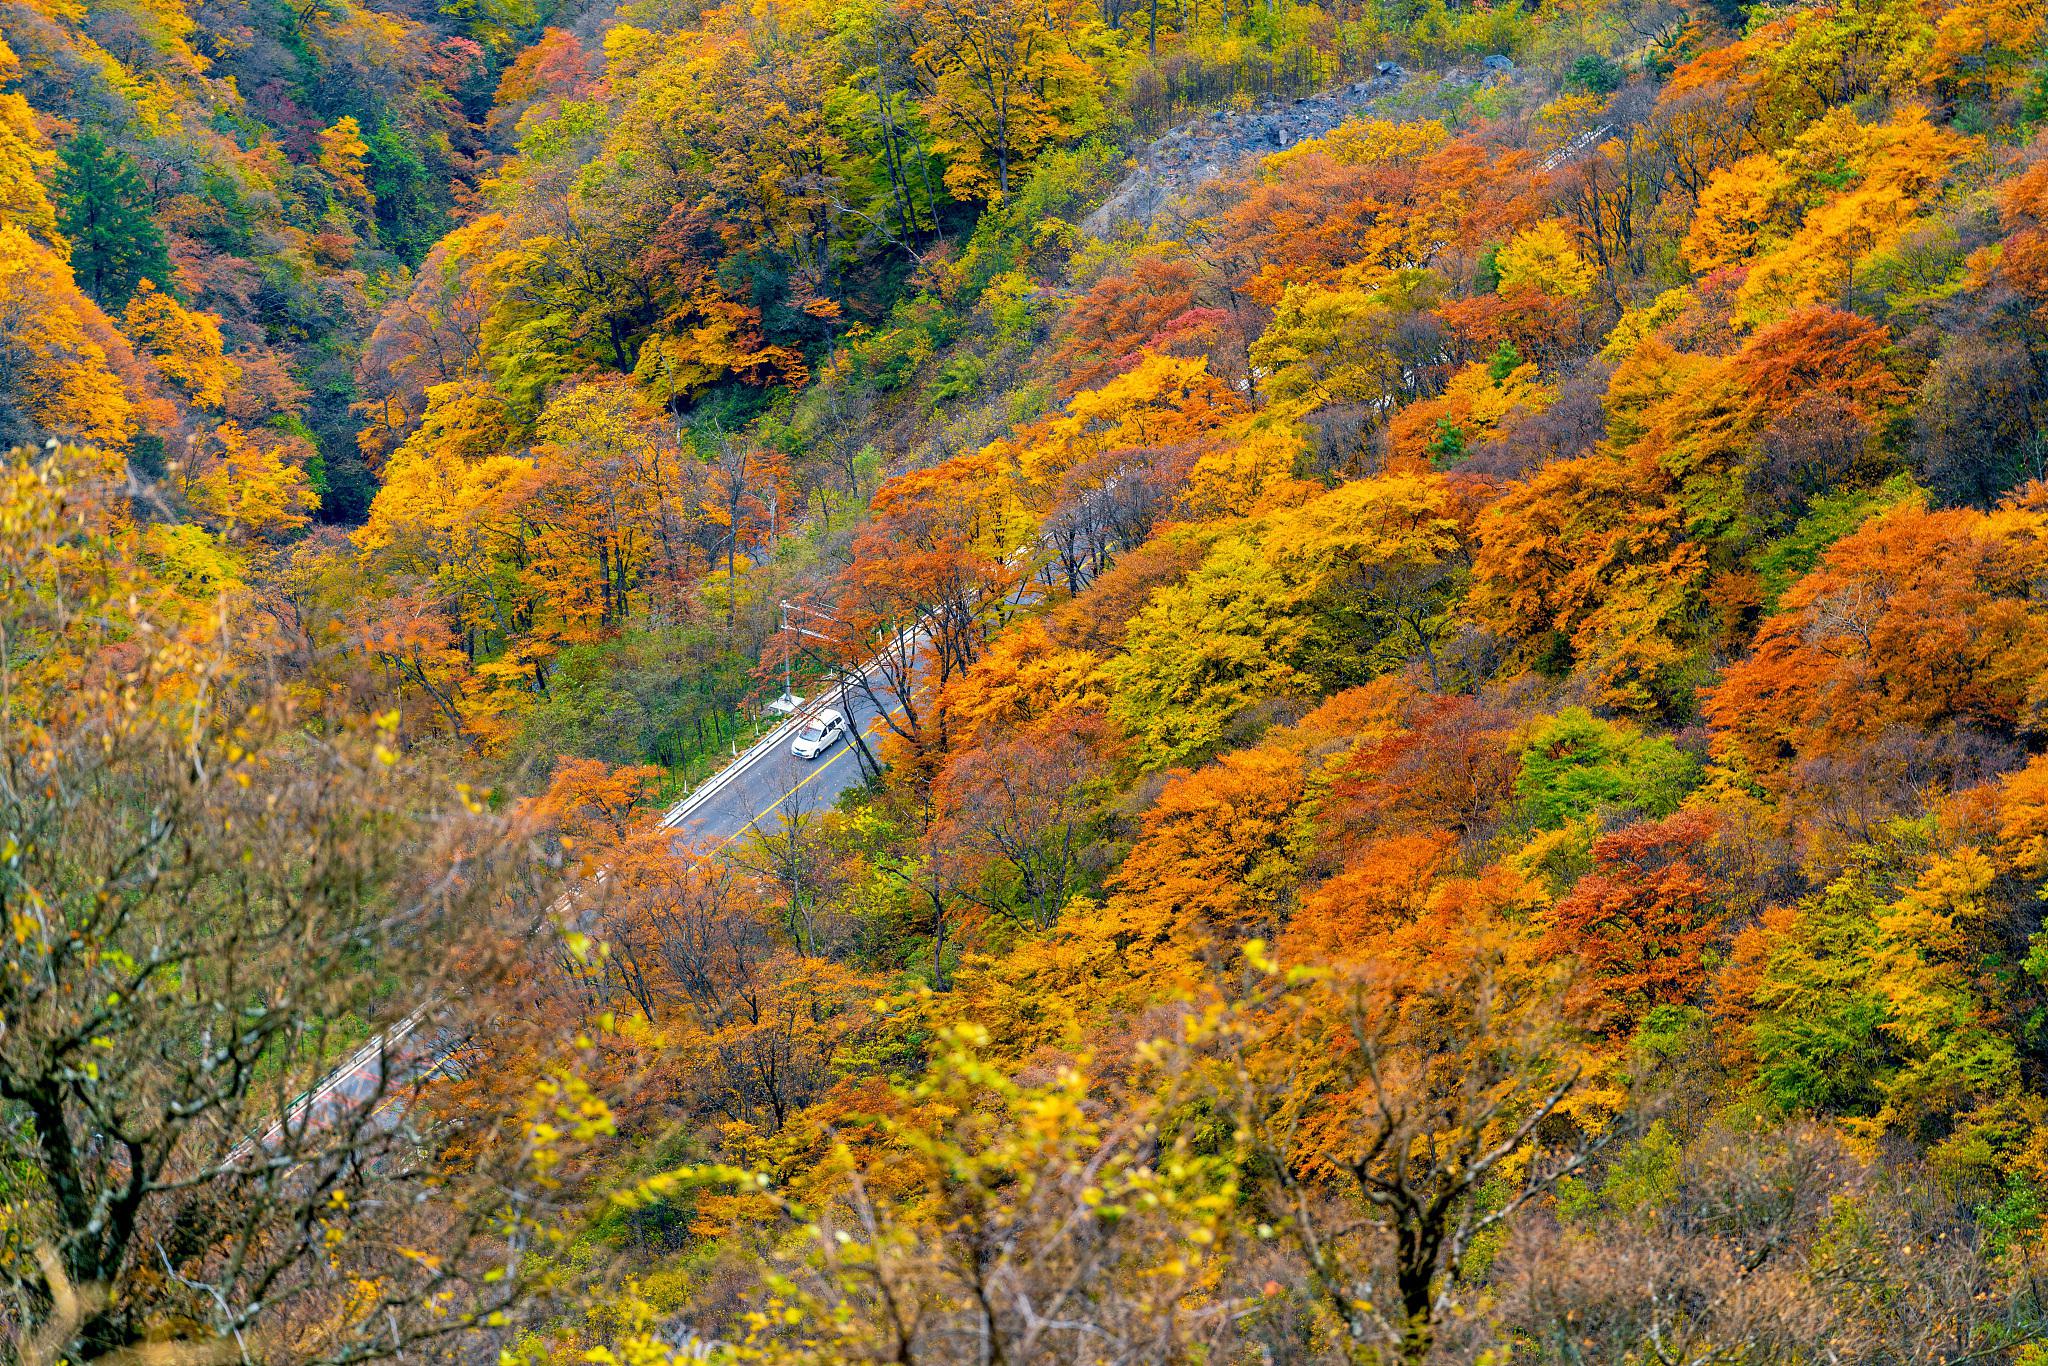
[(1177, 164), (1174, 166)]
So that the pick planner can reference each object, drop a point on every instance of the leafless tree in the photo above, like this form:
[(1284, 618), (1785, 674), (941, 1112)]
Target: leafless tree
[(1771, 1245), (1022, 805), (211, 899), (1402, 1112)]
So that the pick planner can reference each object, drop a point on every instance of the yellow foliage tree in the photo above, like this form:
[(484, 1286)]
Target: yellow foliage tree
[(1545, 256), (191, 561), (1161, 401), (1894, 168), (1472, 408), (344, 156), (1205, 650), (56, 374), (1387, 546), (248, 486), (1004, 85), (441, 488), (184, 343), (1327, 346), (25, 158), (1250, 471), (1987, 48), (1367, 142), (1741, 204)]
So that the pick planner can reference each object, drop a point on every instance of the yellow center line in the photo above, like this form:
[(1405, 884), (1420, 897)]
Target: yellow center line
[(872, 728)]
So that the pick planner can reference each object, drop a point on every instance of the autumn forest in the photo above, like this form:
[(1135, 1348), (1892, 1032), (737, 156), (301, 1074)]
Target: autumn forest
[(1437, 616)]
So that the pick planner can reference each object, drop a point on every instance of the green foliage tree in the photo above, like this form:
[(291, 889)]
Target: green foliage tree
[(103, 207), (1576, 765), (1819, 1040)]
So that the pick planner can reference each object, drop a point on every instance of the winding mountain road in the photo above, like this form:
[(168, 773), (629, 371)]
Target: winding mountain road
[(759, 788)]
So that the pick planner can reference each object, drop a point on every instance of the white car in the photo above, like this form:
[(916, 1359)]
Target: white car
[(819, 734)]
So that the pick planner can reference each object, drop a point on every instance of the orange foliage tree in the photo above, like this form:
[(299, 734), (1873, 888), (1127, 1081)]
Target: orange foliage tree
[(1642, 923), (1919, 619)]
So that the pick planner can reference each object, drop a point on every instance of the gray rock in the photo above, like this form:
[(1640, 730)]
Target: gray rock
[(1181, 161), (1497, 64)]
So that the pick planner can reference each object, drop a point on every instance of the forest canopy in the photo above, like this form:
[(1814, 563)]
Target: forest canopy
[(1442, 611)]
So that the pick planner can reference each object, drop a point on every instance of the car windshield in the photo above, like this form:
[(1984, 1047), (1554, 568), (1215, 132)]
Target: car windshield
[(815, 730)]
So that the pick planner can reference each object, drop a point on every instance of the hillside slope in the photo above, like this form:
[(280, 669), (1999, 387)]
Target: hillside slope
[(1462, 692), (1531, 742)]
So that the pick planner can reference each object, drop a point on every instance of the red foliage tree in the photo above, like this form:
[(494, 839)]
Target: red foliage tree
[(1641, 923)]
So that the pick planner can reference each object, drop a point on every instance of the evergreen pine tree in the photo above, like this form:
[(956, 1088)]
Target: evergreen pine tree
[(102, 208)]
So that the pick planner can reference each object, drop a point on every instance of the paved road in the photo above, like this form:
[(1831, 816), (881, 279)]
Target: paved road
[(759, 788), (767, 782)]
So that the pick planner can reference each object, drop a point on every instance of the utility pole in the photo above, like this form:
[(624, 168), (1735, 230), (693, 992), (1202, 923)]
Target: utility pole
[(789, 701), (870, 765)]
